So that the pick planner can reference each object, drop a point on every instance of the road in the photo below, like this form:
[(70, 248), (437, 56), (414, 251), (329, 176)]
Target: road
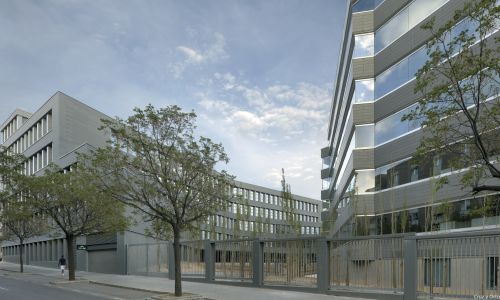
[(30, 286)]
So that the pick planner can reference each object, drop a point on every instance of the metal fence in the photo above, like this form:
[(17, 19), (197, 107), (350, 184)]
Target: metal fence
[(459, 266), (193, 259), (454, 265), (234, 260), (290, 262), (367, 263), (145, 259)]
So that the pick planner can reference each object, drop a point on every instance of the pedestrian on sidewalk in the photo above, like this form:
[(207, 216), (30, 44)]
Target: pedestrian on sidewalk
[(62, 264)]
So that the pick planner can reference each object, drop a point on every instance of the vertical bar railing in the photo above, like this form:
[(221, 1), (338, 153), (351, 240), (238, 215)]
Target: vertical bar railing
[(290, 262), (234, 260), (193, 259), (354, 261), (458, 266), (438, 265)]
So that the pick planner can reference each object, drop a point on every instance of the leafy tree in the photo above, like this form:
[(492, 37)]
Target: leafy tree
[(459, 84), (74, 206), (21, 223), (17, 216), (159, 230), (10, 175), (292, 226), (156, 165)]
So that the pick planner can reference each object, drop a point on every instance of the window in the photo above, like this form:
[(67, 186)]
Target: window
[(392, 126), (364, 90), (365, 180), (363, 45), (391, 30), (405, 20), (492, 273), (414, 173), (364, 136), (365, 5), (344, 161), (437, 272)]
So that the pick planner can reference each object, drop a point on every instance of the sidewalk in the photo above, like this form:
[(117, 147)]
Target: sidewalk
[(213, 291)]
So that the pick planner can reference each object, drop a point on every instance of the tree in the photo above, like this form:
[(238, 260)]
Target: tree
[(156, 165), (21, 223), (459, 84), (292, 226), (75, 206), (10, 175), (17, 217)]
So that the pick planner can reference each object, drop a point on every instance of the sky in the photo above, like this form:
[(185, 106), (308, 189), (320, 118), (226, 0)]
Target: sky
[(259, 74)]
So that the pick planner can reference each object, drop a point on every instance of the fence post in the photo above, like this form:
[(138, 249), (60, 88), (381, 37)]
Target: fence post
[(258, 262), (209, 260), (410, 268), (147, 259), (323, 263), (171, 261), (126, 261)]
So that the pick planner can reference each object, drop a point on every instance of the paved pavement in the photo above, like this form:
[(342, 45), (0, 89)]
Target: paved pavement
[(213, 291)]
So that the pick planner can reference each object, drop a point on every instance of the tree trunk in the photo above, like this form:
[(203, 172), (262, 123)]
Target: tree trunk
[(177, 258), (21, 246), (71, 256)]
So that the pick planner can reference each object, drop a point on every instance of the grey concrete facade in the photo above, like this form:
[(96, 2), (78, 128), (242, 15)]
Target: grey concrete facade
[(349, 167)]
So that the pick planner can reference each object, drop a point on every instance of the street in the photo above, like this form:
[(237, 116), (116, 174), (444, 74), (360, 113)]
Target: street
[(16, 286)]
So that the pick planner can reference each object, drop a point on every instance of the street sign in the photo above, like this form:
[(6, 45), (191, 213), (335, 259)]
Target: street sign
[(81, 247)]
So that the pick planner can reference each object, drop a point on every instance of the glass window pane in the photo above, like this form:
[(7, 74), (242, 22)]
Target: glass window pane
[(364, 90), (364, 5), (392, 126), (363, 45), (416, 61), (391, 78), (365, 181), (390, 31), (420, 9), (345, 160), (364, 136)]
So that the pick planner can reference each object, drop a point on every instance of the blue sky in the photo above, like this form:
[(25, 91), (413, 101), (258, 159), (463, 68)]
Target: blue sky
[(259, 74)]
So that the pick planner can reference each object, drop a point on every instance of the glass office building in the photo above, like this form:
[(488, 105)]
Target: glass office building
[(370, 184)]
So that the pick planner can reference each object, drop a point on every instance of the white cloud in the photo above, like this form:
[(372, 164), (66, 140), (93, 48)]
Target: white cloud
[(277, 107), (247, 121), (268, 128), (192, 55), (212, 52)]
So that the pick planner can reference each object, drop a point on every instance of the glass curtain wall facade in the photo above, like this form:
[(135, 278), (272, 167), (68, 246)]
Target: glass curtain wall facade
[(368, 175)]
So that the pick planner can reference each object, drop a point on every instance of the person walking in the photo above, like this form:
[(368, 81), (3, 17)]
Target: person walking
[(62, 264)]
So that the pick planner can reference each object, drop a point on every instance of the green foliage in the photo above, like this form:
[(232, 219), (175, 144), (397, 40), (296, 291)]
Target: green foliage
[(292, 226), (159, 230), (489, 208), (329, 221), (74, 204), (459, 86), (20, 221), (446, 209), (156, 165), (11, 178)]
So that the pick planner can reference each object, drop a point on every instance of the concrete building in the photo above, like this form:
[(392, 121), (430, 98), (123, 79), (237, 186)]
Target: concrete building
[(260, 213), (63, 127), (369, 182)]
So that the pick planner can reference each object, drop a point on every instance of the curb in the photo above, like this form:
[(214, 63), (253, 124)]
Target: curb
[(124, 287), (69, 282)]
